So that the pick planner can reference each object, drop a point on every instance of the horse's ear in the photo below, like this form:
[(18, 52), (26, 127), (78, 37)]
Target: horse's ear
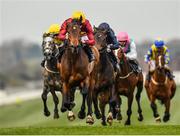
[(95, 29), (45, 35)]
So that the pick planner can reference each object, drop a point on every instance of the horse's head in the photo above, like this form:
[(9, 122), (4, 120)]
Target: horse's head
[(120, 54), (100, 38), (74, 33), (160, 62), (48, 46)]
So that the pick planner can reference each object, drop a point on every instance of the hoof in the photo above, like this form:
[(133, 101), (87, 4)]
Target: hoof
[(98, 115), (127, 123), (81, 115), (71, 116), (56, 116), (140, 118), (119, 117), (110, 119), (63, 109), (158, 119), (47, 113), (166, 118), (90, 120), (103, 123)]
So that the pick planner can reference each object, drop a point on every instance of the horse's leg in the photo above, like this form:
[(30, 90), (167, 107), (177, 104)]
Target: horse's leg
[(102, 106), (56, 102), (72, 93), (173, 89), (118, 108), (138, 96), (166, 113), (44, 98), (82, 112), (110, 114), (154, 108), (90, 119), (95, 102), (65, 97), (129, 111)]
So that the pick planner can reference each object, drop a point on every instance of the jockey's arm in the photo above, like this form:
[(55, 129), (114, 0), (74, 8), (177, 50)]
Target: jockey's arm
[(90, 35), (148, 56), (63, 31), (115, 43), (132, 54)]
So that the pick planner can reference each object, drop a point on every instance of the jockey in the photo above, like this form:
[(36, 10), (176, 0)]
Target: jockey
[(88, 39), (150, 58), (112, 44), (129, 48), (53, 31)]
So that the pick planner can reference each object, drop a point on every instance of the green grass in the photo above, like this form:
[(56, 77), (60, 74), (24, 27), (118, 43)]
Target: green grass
[(27, 117), (94, 130)]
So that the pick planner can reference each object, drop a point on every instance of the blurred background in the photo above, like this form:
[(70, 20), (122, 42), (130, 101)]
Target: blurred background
[(22, 23)]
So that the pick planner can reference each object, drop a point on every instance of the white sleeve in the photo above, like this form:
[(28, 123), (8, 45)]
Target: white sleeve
[(132, 54)]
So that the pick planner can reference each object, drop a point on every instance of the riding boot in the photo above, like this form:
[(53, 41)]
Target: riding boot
[(135, 66), (114, 61), (89, 52), (43, 62)]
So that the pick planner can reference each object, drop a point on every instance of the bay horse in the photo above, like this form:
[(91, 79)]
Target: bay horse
[(74, 70), (102, 78), (51, 78), (160, 87), (125, 84)]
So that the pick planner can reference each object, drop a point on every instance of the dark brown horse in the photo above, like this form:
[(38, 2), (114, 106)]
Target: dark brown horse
[(160, 87), (125, 85), (102, 78), (75, 69)]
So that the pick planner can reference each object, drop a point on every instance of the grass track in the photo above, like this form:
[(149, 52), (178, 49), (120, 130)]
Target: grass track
[(95, 130), (27, 118)]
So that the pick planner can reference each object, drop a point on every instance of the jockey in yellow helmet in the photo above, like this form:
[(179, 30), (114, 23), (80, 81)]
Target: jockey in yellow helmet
[(53, 31), (150, 57), (86, 28)]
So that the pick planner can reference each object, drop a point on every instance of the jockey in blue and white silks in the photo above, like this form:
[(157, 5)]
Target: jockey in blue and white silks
[(150, 57)]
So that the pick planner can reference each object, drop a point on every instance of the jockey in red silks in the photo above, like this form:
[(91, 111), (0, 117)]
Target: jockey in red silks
[(86, 28)]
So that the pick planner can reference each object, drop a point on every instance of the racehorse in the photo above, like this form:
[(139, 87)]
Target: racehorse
[(126, 81), (51, 81), (74, 69), (50, 74), (102, 78), (160, 87)]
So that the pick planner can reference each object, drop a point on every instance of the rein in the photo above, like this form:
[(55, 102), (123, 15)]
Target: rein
[(45, 66), (157, 83), (124, 77)]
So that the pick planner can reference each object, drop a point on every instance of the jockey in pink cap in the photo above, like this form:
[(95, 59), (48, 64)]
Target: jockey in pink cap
[(129, 48)]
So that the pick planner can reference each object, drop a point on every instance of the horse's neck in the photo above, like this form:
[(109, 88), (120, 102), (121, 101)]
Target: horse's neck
[(159, 76), (125, 68)]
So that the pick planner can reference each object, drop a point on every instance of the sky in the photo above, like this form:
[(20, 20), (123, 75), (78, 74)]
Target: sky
[(28, 19)]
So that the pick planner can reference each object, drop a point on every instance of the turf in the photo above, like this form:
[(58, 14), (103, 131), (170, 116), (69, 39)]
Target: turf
[(26, 117)]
